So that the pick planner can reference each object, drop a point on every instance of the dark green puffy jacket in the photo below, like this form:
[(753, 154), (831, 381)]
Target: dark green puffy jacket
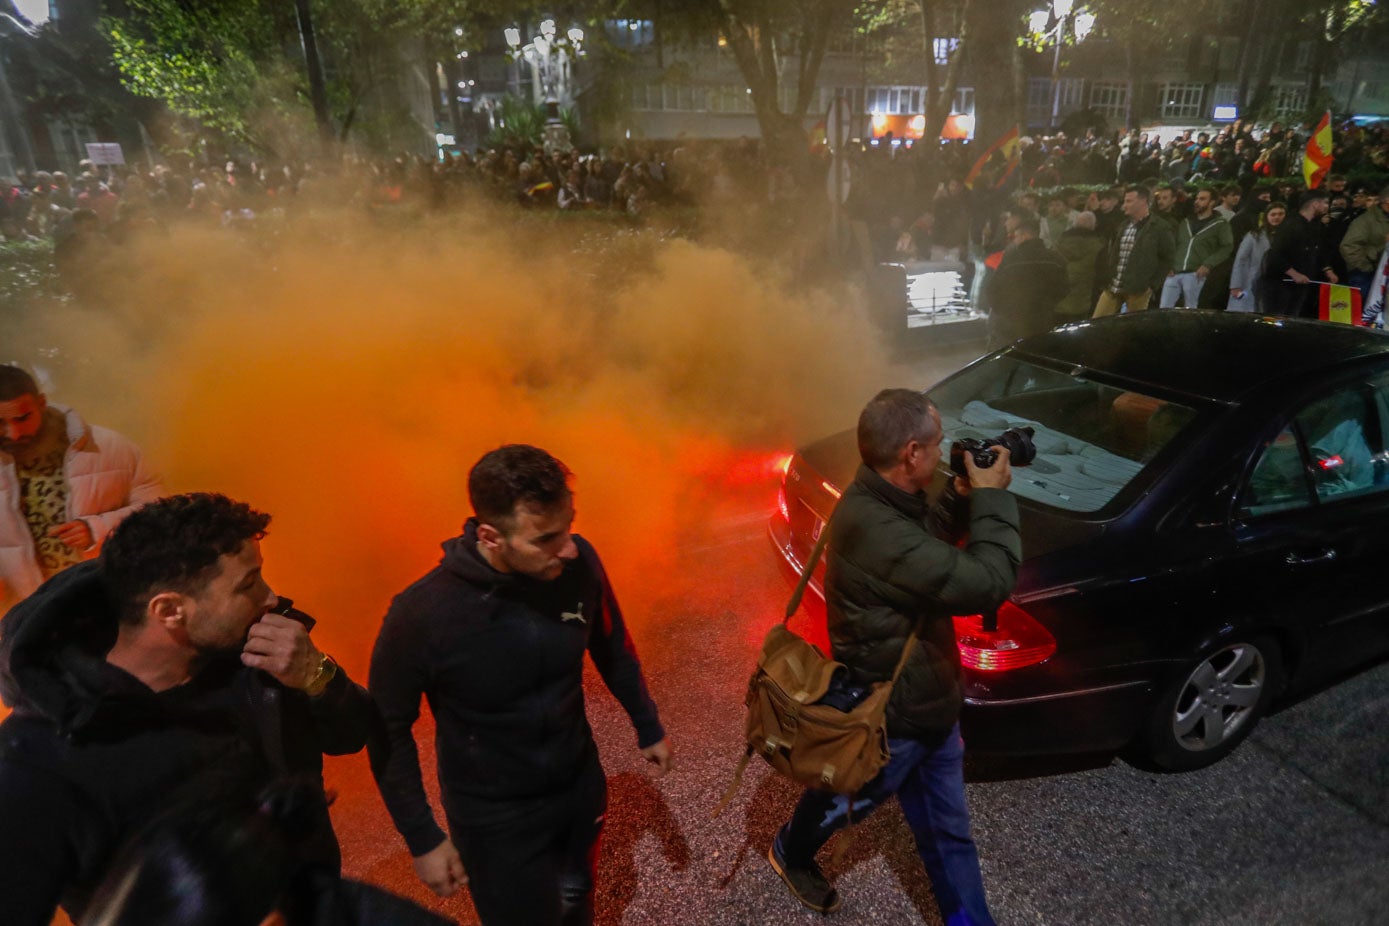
[(887, 570)]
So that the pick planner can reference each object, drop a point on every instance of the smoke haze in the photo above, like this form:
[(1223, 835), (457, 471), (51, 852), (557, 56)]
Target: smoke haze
[(344, 375)]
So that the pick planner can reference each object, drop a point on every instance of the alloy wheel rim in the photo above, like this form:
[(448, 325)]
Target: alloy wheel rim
[(1219, 697)]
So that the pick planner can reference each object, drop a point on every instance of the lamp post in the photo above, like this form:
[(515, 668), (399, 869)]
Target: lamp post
[(1051, 25), (550, 58)]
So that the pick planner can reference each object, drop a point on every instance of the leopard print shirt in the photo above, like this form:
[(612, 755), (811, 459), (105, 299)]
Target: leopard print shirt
[(43, 497)]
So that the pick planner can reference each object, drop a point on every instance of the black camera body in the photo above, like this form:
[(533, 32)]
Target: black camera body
[(1018, 442)]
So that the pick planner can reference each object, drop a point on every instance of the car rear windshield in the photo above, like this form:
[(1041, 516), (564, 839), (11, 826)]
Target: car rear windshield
[(1092, 439)]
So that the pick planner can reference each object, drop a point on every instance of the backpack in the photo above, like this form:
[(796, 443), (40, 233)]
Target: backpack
[(803, 717)]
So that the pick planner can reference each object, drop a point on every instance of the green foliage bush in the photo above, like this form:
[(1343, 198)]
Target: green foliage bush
[(26, 272)]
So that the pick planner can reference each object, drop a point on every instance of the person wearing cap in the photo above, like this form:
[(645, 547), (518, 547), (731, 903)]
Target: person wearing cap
[(1364, 243)]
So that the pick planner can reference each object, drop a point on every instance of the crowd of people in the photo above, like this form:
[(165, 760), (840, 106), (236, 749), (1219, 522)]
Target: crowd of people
[(154, 675), (1216, 247), (911, 201), (1065, 232)]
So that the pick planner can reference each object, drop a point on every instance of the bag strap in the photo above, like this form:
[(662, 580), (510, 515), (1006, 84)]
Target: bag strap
[(799, 593), (737, 780), (902, 660), (806, 572)]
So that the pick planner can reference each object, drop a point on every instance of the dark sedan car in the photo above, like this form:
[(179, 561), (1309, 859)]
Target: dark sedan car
[(1206, 524)]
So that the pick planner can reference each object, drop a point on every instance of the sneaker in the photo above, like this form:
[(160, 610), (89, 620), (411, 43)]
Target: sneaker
[(808, 885)]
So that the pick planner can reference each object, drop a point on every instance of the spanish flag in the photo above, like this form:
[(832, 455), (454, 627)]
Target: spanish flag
[(1008, 144), (1336, 303), (1316, 163)]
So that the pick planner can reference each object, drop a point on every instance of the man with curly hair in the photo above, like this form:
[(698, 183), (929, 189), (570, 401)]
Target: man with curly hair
[(164, 673), (494, 637)]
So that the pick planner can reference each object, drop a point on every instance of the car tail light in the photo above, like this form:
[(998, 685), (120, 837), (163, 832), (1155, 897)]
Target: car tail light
[(1018, 641), (781, 504)]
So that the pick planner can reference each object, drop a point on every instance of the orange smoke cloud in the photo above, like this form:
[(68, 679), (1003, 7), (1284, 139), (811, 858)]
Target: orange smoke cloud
[(345, 376)]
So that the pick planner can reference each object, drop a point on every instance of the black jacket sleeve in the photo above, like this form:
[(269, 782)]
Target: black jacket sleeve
[(343, 715), (36, 850), (399, 670), (615, 656)]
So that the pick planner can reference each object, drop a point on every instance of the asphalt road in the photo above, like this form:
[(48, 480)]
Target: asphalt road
[(1293, 828)]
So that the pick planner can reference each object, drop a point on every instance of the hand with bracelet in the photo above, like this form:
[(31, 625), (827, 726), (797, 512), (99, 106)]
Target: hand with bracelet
[(280, 646)]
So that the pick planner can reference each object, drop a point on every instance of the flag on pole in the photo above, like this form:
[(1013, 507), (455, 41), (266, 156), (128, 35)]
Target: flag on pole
[(1337, 303), (1316, 162), (1008, 144)]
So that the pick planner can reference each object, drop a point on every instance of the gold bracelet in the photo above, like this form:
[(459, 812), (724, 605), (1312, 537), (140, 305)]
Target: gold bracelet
[(327, 668)]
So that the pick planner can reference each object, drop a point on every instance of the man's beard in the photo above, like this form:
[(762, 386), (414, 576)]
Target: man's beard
[(214, 653)]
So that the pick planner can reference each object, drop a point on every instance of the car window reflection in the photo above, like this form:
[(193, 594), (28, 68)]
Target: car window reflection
[(1333, 449)]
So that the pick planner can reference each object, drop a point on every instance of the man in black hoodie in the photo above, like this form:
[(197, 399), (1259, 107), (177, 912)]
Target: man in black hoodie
[(494, 637), (152, 678)]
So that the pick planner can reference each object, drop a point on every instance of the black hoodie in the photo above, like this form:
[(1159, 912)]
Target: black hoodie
[(499, 656), (91, 754)]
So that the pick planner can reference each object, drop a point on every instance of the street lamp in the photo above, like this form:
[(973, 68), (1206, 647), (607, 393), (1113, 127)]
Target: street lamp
[(549, 56), (1051, 25)]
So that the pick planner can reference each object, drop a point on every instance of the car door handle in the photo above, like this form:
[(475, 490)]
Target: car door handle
[(1325, 556)]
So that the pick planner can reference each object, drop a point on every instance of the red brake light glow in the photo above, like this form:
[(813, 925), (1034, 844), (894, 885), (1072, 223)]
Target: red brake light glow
[(1330, 462), (781, 504), (1019, 641), (781, 464)]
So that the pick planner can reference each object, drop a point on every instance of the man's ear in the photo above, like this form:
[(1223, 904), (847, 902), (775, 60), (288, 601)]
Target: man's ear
[(904, 457), (489, 536), (167, 609)]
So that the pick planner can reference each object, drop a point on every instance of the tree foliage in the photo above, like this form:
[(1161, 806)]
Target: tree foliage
[(237, 66), (217, 62)]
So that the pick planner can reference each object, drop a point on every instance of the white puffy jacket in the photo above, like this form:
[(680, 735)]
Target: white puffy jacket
[(107, 479)]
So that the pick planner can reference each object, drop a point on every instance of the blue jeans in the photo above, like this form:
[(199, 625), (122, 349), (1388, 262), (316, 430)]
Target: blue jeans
[(1361, 280), (929, 781), (1186, 286)]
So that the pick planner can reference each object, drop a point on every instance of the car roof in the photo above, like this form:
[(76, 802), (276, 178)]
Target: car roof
[(1215, 355)]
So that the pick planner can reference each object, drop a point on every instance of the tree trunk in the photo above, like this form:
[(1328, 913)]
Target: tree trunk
[(1327, 21), (992, 28), (1248, 50), (753, 43), (318, 91), (940, 92)]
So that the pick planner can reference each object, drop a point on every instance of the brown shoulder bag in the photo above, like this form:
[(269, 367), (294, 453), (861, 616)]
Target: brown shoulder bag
[(815, 745)]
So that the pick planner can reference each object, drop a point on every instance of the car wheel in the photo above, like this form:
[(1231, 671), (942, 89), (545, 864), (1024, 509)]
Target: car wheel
[(1213, 705)]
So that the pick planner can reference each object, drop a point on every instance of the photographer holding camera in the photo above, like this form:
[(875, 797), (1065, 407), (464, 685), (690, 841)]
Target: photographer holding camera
[(890, 571)]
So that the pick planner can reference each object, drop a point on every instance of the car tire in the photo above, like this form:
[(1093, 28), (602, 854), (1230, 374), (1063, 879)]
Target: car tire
[(1214, 703)]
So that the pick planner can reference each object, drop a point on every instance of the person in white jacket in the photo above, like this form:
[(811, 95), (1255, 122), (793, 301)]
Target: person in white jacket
[(64, 484), (1249, 262)]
